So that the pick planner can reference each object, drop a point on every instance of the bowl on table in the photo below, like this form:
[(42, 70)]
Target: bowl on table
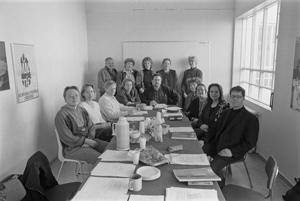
[(134, 134)]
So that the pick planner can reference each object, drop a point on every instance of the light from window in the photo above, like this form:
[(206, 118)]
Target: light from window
[(258, 58)]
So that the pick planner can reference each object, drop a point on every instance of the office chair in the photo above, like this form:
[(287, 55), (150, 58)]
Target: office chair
[(229, 171), (63, 159), (237, 193)]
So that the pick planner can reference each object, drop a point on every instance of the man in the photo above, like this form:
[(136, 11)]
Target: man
[(106, 73), (76, 130), (233, 136), (158, 93), (110, 108)]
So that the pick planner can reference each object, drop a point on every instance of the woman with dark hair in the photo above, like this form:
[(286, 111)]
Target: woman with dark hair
[(128, 72), (169, 76), (215, 105), (128, 95), (103, 129), (144, 77)]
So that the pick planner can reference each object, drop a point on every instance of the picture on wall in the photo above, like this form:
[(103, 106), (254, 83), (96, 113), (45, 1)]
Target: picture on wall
[(25, 72), (295, 97), (4, 79)]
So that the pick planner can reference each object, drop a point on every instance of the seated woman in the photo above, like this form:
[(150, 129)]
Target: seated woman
[(128, 95), (192, 83), (76, 130), (103, 129), (197, 105), (111, 109), (169, 76), (213, 109)]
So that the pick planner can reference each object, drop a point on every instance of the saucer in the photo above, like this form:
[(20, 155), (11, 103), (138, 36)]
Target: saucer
[(148, 173)]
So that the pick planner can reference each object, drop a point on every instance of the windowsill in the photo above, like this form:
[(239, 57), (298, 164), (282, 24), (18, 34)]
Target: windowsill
[(256, 104)]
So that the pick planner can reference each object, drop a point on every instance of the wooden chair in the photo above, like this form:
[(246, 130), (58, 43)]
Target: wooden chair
[(243, 160), (237, 193), (63, 159)]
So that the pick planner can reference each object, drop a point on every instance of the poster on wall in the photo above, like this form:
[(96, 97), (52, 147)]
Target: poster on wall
[(295, 97), (25, 72), (4, 79)]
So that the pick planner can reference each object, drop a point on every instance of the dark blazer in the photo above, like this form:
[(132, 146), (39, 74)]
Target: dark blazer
[(164, 94), (170, 79), (239, 136), (124, 98)]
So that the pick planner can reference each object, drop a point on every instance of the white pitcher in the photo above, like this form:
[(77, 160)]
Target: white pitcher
[(121, 129)]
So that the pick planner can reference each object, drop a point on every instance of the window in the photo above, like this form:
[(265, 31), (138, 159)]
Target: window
[(258, 53)]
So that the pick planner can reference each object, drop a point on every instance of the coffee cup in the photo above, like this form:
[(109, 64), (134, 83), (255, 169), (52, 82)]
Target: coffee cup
[(135, 156), (165, 129), (142, 127), (135, 182), (142, 143)]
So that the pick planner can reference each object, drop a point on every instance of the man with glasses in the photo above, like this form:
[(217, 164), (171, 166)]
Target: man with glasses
[(233, 136)]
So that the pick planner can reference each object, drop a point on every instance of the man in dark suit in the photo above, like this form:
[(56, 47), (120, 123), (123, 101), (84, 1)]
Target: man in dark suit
[(235, 133)]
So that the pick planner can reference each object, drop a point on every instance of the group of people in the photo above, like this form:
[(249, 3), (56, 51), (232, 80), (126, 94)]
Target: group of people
[(225, 132)]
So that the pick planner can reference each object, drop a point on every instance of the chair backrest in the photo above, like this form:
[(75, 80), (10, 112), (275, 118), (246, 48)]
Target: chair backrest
[(60, 147), (271, 171)]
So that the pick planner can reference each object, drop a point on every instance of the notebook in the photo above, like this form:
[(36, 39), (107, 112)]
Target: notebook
[(184, 136)]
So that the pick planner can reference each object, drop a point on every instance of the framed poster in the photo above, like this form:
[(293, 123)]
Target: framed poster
[(25, 72), (4, 79)]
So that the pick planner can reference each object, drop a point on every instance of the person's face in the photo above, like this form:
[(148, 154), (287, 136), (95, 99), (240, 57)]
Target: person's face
[(192, 63), (167, 65), (214, 93), (128, 86), (72, 97), (147, 65), (193, 87), (111, 90), (237, 99), (110, 64), (89, 93), (156, 81), (128, 66), (201, 91)]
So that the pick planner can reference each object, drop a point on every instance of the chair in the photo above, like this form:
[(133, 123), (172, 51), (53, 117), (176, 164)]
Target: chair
[(63, 159), (40, 184), (243, 160), (233, 192)]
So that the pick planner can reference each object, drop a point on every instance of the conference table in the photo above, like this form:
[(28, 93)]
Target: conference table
[(167, 178)]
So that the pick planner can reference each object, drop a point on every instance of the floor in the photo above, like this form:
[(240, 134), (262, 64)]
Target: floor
[(254, 163)]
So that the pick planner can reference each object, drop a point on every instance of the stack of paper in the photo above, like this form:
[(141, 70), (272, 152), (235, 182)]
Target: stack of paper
[(188, 159), (196, 174), (181, 129), (113, 170), (113, 155), (147, 198), (138, 118), (189, 194)]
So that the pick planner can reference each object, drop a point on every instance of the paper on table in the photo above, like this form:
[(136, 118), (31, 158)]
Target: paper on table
[(147, 198), (113, 155), (140, 113), (181, 129), (139, 118), (160, 106), (188, 159), (113, 169), (188, 194), (104, 188), (173, 114)]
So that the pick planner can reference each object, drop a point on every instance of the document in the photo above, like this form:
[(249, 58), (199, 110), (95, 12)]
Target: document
[(140, 113), (189, 194), (113, 170), (181, 129), (139, 118), (113, 155), (196, 174), (188, 159), (104, 188), (147, 198)]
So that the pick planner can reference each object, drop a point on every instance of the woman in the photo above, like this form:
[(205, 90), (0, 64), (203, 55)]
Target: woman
[(76, 130), (128, 95), (213, 109), (197, 105), (103, 129), (128, 72), (144, 77), (169, 76), (190, 73), (193, 83)]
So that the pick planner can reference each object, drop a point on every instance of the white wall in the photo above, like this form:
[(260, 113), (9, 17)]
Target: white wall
[(280, 129), (110, 24), (58, 32)]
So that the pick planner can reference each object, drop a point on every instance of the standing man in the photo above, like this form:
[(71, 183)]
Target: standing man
[(233, 136), (158, 93), (106, 73)]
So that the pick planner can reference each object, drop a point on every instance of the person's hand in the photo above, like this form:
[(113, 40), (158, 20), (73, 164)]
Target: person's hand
[(142, 90), (195, 120), (204, 127), (153, 103), (225, 152), (201, 143), (132, 111), (90, 142), (85, 146), (184, 95)]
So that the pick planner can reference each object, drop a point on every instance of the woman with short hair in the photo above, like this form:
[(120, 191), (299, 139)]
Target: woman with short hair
[(144, 77), (127, 72), (128, 95), (169, 76)]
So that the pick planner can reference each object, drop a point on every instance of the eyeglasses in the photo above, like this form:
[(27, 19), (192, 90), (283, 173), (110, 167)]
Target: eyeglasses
[(236, 96)]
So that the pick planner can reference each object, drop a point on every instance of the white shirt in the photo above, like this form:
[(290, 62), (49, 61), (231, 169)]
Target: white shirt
[(111, 109), (94, 113)]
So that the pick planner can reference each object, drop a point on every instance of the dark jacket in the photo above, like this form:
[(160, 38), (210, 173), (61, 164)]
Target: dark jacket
[(164, 94), (124, 98), (169, 79)]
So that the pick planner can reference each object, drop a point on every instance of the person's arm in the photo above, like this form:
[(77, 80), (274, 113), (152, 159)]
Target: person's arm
[(121, 97), (137, 97), (146, 95), (101, 80), (176, 81), (90, 124), (174, 97), (109, 110), (138, 81), (183, 83), (119, 78)]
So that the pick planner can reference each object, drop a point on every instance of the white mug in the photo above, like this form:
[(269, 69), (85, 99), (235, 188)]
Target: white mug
[(135, 182)]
